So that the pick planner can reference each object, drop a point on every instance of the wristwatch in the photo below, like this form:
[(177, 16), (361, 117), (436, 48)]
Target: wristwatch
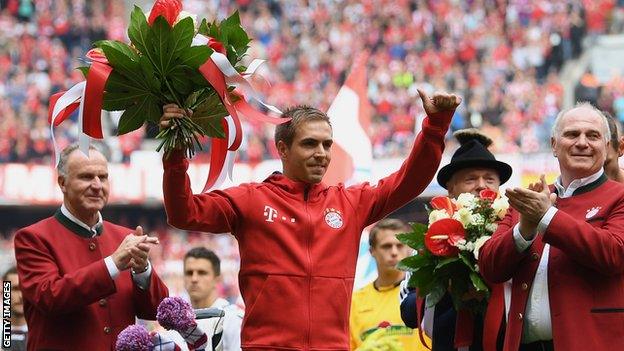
[(139, 272)]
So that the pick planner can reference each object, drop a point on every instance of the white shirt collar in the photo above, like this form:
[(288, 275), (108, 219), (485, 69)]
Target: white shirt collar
[(576, 183), (73, 218)]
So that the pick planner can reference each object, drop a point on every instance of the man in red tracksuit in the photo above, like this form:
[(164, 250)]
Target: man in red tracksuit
[(298, 237)]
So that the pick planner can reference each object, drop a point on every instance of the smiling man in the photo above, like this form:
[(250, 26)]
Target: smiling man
[(564, 250), (83, 279), (299, 238)]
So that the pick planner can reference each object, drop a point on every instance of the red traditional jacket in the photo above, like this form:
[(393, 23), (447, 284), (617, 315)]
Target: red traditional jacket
[(70, 300), (299, 242), (585, 269)]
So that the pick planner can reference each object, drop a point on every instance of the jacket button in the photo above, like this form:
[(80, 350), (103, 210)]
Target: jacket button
[(535, 256), (102, 302), (107, 330), (520, 316), (525, 286), (92, 246)]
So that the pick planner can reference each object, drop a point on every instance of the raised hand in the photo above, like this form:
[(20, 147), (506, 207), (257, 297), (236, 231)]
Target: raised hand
[(440, 102), (171, 111)]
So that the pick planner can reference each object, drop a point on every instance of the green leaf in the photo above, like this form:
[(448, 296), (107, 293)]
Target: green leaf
[(84, 70), (181, 37), (119, 46), (195, 56), (179, 80), (138, 30), (415, 262), (412, 240), (208, 116), (422, 279), (153, 111), (478, 282), (445, 262), (419, 227), (119, 101), (133, 118), (150, 76), (122, 63), (467, 261), (203, 27), (234, 37), (160, 37), (436, 294)]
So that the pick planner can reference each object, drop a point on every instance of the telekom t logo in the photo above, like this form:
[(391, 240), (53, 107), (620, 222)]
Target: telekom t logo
[(270, 213)]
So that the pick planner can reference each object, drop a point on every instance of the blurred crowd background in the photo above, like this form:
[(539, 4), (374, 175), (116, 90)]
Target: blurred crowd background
[(504, 57)]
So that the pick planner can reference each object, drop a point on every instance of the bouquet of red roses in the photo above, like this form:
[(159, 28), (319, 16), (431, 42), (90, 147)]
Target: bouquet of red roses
[(447, 249)]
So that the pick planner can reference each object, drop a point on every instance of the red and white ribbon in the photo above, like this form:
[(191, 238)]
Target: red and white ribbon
[(220, 73), (87, 96)]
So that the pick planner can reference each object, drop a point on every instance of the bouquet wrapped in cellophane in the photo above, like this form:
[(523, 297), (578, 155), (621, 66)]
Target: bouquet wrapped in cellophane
[(447, 249)]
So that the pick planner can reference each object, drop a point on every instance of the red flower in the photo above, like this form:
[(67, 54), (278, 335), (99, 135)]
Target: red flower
[(441, 236), (488, 194), (97, 55), (216, 45), (169, 9), (443, 203)]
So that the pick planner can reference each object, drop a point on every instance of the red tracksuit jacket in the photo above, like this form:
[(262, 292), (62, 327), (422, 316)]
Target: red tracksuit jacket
[(299, 242)]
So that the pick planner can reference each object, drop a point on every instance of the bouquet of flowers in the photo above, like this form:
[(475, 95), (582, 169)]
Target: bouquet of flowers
[(161, 65), (170, 59), (447, 250)]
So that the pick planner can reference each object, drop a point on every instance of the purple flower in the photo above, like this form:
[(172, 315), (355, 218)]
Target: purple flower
[(134, 338), (175, 313)]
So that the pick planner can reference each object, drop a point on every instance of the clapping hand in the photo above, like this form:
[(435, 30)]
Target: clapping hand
[(134, 250), (532, 204)]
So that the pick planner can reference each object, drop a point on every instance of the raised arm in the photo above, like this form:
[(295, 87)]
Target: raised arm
[(420, 166)]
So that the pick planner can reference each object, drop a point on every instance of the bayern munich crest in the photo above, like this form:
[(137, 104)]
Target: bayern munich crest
[(333, 218)]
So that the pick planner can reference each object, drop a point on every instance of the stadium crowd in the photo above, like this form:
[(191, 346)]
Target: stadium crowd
[(503, 57)]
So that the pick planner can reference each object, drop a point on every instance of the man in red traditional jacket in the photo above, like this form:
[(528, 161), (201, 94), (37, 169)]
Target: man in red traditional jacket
[(564, 250), (298, 237), (83, 279)]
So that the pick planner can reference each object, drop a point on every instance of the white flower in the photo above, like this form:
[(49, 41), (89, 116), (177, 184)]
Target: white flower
[(500, 207), (464, 216), (478, 244), (470, 246), (477, 219), (491, 227), (466, 200), (185, 14), (460, 244), (437, 215)]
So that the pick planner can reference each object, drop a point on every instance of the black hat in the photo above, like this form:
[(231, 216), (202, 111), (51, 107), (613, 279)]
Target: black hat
[(473, 152)]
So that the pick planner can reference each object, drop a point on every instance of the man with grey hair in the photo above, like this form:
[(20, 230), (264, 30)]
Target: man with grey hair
[(563, 246), (83, 279)]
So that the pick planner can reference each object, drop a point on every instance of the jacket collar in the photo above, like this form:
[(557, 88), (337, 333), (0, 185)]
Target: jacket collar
[(299, 190), (76, 226), (580, 186)]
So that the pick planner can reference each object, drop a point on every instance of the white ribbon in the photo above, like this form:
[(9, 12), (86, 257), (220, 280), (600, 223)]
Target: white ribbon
[(232, 77)]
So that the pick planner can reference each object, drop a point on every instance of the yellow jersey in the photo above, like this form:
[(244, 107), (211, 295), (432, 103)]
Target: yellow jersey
[(373, 309)]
